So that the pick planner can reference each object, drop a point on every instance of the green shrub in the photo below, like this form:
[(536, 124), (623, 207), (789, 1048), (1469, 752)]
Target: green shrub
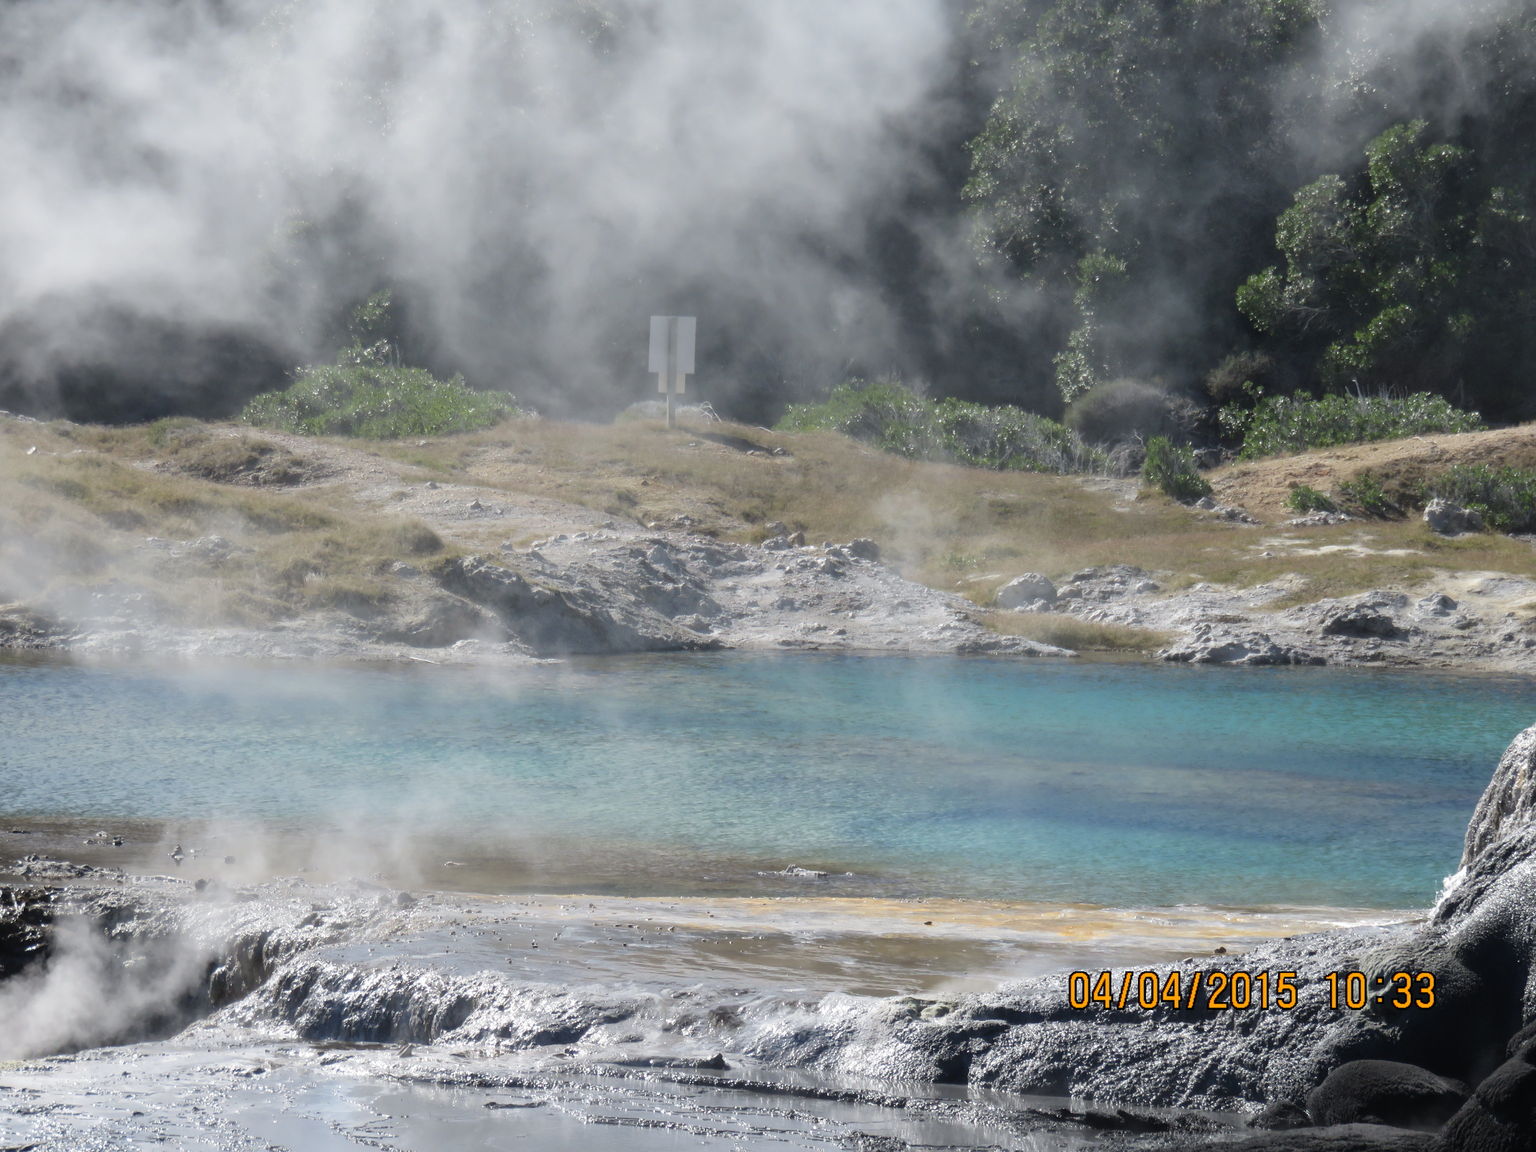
[(1364, 493), (883, 411), (1296, 423), (1121, 409), (1170, 468), (377, 401), (1505, 496), (887, 413), (1304, 498), (369, 393)]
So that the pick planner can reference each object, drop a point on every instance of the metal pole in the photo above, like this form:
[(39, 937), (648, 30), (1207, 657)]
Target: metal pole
[(671, 366)]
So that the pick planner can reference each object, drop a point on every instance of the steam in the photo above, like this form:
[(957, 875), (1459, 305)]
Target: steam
[(1388, 62), (95, 991), (534, 179)]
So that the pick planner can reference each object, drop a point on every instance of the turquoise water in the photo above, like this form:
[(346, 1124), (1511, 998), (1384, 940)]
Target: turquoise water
[(1101, 783)]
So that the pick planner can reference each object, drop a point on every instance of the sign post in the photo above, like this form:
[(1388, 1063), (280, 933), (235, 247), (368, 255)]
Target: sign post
[(672, 355)]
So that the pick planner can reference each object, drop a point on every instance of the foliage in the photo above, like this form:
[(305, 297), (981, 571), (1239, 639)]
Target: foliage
[(377, 401), (369, 393), (1139, 176), (1170, 468), (1298, 423), (1132, 138), (1304, 498), (1123, 410), (890, 415), (1366, 494), (883, 411), (1405, 277), (1505, 496), (1379, 278)]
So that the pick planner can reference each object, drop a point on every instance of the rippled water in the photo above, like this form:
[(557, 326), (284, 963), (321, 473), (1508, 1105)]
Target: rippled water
[(996, 779)]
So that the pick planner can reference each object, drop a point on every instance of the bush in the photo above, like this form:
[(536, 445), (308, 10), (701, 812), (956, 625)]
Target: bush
[(1365, 493), (1505, 496), (377, 401), (1240, 376), (1304, 498), (887, 413), (1296, 423), (1122, 409), (1170, 468)]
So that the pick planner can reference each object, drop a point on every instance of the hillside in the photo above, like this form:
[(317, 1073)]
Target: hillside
[(202, 529)]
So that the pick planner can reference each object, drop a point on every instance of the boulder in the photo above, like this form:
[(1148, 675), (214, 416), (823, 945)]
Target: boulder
[(1385, 1092), (1026, 589), (862, 549), (1361, 621), (1451, 519), (1436, 604), (1280, 1116), (1255, 649), (614, 606), (1500, 1115), (1107, 582)]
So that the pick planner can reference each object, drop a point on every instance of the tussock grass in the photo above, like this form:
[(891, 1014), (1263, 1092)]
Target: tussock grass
[(84, 504), (944, 525), (76, 521)]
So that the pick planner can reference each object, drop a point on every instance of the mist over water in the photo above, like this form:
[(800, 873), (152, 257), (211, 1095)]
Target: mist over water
[(1109, 784)]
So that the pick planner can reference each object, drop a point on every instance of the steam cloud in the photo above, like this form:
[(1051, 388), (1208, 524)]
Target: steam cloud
[(196, 193), (94, 991), (535, 179)]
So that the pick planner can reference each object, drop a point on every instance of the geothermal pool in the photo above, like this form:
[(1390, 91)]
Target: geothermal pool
[(971, 778), (979, 822)]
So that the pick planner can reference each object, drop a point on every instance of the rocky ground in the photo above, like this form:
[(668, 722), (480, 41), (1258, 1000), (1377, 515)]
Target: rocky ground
[(513, 571), (526, 576), (551, 999), (1473, 620)]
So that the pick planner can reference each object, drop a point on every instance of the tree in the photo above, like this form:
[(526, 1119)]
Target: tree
[(1130, 167)]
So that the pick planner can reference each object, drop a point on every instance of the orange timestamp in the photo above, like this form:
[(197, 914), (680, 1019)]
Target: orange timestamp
[(1239, 990)]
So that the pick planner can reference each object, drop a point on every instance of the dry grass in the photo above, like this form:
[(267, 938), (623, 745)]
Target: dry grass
[(937, 522), (950, 527), (193, 448), (84, 503), (77, 522), (1071, 632)]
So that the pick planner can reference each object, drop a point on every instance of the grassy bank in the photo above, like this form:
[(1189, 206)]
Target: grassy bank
[(81, 507)]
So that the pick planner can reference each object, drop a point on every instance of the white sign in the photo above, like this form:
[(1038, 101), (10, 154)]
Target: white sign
[(672, 349)]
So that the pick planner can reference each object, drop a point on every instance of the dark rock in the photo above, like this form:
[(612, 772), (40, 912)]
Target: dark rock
[(26, 918), (1281, 1116), (1385, 1092), (1361, 621), (1500, 1115), (1344, 1138)]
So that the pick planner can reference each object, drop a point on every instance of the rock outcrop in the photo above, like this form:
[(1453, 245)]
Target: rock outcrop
[(1450, 519), (1030, 590), (1392, 1066), (1509, 802)]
